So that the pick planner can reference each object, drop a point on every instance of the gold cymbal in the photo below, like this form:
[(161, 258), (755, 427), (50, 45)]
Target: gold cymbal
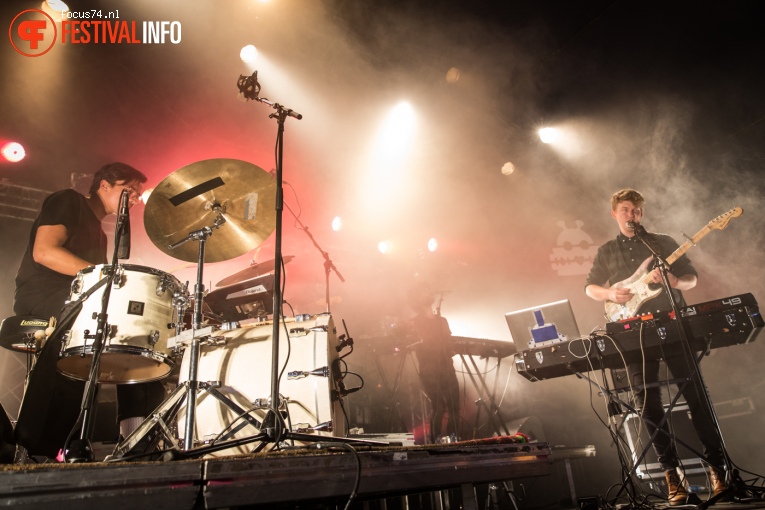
[(186, 201), (251, 272)]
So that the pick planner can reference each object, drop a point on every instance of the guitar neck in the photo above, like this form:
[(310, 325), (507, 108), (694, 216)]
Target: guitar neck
[(680, 251), (718, 223)]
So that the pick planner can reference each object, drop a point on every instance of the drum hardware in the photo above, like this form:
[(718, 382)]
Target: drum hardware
[(118, 279), (234, 207), (321, 427), (163, 416), (180, 304), (299, 374)]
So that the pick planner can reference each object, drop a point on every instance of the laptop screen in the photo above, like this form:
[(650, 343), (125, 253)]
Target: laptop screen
[(541, 325)]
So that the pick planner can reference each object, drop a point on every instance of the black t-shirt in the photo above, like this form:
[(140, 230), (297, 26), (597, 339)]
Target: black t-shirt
[(619, 258), (434, 353), (85, 238)]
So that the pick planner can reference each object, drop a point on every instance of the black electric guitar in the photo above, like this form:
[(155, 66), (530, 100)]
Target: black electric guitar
[(640, 283)]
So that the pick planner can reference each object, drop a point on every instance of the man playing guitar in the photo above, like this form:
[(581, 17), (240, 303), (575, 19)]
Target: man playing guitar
[(617, 260)]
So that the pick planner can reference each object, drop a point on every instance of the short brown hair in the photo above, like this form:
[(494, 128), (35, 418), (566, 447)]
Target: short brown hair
[(627, 194)]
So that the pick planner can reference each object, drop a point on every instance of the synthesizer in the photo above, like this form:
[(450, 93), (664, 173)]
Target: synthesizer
[(481, 347), (719, 323)]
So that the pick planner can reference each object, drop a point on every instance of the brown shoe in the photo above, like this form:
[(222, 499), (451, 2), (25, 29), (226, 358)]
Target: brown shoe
[(717, 481), (677, 494)]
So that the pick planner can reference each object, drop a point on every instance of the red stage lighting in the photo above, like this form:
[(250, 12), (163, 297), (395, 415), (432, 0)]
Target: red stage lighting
[(13, 152)]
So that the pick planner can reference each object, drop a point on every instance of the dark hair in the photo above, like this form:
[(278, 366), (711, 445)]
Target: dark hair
[(113, 172), (420, 294)]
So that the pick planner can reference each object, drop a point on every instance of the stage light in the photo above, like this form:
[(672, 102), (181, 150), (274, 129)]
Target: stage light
[(384, 247), (508, 168), (337, 223), (432, 244), (13, 152), (549, 135), (397, 132), (248, 54), (146, 194), (55, 9), (57, 5), (388, 161)]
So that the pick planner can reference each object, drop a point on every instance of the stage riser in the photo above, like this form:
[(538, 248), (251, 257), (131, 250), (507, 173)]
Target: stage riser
[(268, 479)]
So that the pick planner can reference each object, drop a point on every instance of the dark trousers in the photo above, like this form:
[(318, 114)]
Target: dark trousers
[(443, 391), (51, 405), (650, 400), (7, 443)]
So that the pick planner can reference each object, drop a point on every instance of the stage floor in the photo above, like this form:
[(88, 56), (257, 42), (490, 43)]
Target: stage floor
[(325, 473)]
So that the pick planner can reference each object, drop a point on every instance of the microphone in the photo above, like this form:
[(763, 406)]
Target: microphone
[(123, 248), (343, 343), (249, 88), (636, 227)]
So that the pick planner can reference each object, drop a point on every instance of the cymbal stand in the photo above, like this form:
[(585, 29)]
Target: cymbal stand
[(79, 450), (200, 236), (188, 390)]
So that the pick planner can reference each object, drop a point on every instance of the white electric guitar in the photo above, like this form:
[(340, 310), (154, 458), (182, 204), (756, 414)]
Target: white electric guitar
[(640, 283)]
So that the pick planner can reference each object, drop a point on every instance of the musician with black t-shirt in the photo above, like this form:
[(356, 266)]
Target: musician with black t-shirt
[(66, 238)]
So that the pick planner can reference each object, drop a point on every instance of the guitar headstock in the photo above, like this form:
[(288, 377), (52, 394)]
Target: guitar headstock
[(722, 221)]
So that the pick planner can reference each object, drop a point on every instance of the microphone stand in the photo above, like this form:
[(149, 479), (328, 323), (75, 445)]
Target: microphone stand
[(695, 377), (250, 89), (272, 430), (328, 264), (80, 450)]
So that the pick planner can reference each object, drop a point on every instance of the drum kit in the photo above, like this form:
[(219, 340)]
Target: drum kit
[(223, 401), (210, 211)]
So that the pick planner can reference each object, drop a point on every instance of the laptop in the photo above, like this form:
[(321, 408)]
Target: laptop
[(542, 325)]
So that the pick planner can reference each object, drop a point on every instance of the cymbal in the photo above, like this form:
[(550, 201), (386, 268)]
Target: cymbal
[(251, 272), (186, 201)]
